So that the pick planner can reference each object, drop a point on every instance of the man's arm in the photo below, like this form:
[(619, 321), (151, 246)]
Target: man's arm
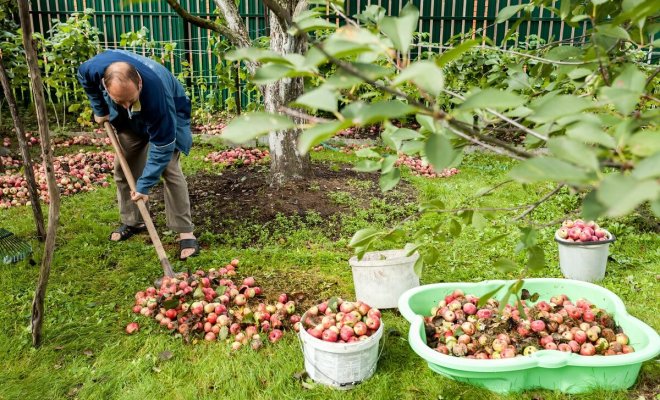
[(162, 142), (90, 79)]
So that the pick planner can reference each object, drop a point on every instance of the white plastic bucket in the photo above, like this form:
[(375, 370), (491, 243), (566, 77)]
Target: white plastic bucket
[(584, 261), (381, 277), (340, 365)]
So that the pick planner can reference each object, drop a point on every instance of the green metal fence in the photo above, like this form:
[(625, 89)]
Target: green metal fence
[(440, 19)]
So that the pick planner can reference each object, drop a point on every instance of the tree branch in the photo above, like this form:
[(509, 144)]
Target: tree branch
[(282, 14), (235, 24), (537, 203), (653, 75), (504, 117), (303, 116), (199, 21)]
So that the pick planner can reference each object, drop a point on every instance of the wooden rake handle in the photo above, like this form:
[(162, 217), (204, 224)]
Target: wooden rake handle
[(162, 256)]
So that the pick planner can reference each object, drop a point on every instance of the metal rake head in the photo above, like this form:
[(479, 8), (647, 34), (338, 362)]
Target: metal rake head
[(12, 248)]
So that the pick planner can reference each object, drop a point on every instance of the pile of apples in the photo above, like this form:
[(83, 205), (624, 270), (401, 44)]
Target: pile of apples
[(78, 140), (82, 140), (423, 168), (355, 132), (581, 231), (337, 320), (75, 173), (461, 327), (210, 128), (239, 156), (212, 306)]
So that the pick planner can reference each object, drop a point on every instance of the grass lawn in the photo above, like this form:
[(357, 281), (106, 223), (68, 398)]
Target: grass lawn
[(87, 355)]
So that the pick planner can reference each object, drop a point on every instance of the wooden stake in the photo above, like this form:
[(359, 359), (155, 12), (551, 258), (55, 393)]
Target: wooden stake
[(25, 152), (47, 158)]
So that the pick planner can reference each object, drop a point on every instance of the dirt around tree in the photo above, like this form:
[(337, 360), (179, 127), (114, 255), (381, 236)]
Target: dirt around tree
[(242, 196)]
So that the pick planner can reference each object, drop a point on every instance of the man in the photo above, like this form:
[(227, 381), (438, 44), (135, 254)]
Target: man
[(151, 114)]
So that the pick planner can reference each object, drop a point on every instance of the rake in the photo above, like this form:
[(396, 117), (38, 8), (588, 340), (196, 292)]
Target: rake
[(12, 248)]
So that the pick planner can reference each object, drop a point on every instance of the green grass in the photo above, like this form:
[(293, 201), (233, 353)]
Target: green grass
[(86, 354)]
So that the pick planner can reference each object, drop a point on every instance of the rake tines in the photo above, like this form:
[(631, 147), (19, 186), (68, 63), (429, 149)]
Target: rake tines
[(12, 248)]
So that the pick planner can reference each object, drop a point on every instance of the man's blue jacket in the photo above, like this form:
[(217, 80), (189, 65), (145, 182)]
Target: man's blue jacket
[(164, 113)]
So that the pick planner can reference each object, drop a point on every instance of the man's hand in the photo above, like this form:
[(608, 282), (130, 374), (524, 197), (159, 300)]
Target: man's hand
[(135, 196), (101, 120)]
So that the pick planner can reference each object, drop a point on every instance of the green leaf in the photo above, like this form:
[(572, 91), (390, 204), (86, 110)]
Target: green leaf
[(644, 143), (333, 303), (574, 152), (433, 205), (536, 258), (521, 309), (479, 221), (401, 135), (508, 12), (269, 73), (388, 163), (492, 98), (394, 235), (389, 180), (224, 332), (198, 293), (551, 107), (565, 8), (367, 166), (440, 152), (452, 54), (364, 236), (171, 303), (427, 123), (319, 133), (592, 209), (528, 237), (252, 125), (648, 168), (363, 114), (621, 194), (466, 216), (547, 169), (220, 290), (312, 24), (255, 54), (455, 228), (612, 31), (345, 80), (496, 239), (626, 89), (590, 133), (413, 147), (655, 207), (319, 99), (485, 297), (367, 153), (419, 266), (400, 29), (340, 48), (579, 73), (504, 265), (425, 74)]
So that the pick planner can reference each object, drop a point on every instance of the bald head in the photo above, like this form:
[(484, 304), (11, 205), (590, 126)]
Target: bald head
[(123, 83)]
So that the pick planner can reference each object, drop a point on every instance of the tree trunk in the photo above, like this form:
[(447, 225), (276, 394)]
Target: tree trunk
[(47, 157), (286, 162), (25, 152)]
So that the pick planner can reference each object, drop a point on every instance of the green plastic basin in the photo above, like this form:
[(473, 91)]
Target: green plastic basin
[(549, 369)]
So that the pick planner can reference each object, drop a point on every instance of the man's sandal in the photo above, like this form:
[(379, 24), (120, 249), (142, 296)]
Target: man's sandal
[(127, 231), (188, 244)]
